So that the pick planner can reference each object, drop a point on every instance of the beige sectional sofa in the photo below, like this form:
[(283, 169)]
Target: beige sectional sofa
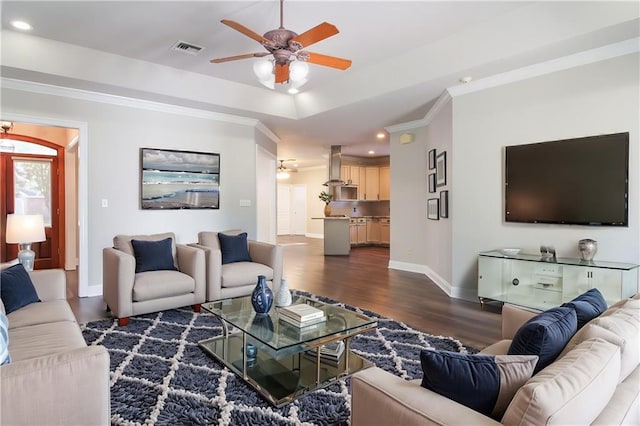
[(54, 378), (595, 380)]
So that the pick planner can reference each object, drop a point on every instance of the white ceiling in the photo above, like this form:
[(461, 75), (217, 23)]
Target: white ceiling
[(404, 55)]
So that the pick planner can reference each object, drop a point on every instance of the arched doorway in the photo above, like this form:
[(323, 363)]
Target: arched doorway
[(32, 172)]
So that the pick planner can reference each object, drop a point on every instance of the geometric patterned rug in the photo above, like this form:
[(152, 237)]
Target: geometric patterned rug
[(160, 376)]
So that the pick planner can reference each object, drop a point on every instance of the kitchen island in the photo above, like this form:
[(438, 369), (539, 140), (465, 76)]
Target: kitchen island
[(336, 235)]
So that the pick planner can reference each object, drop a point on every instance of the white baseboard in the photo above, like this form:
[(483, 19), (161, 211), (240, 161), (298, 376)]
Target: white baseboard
[(409, 267), (449, 290), (92, 291), (319, 236), (440, 282)]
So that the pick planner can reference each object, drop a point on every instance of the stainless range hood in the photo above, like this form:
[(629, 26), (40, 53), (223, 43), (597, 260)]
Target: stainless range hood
[(335, 161)]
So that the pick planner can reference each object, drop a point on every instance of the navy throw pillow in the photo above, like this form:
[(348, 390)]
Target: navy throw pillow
[(545, 335), (234, 248), (588, 306), (484, 383), (16, 288), (153, 255)]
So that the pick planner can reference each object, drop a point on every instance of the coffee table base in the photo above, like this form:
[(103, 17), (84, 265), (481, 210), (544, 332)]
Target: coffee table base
[(281, 380)]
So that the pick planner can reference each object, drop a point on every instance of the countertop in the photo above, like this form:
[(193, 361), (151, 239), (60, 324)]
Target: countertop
[(351, 217), (332, 218)]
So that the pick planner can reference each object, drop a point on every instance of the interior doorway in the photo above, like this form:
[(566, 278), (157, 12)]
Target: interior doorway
[(38, 169), (292, 209)]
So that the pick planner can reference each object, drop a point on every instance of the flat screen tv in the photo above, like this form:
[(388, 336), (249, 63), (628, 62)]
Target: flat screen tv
[(582, 181)]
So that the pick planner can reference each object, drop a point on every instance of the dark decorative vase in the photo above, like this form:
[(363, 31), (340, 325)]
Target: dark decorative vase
[(262, 296), (251, 352), (262, 327)]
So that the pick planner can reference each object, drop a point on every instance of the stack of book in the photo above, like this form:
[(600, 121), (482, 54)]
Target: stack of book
[(302, 315), (331, 352)]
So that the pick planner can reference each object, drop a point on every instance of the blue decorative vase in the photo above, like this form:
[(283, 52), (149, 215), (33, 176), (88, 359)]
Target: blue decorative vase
[(262, 296)]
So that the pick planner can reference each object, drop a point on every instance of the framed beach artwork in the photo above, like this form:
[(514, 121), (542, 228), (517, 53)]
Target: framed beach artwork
[(171, 179)]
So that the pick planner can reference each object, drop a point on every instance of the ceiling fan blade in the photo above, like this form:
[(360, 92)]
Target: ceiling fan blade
[(282, 73), (246, 31), (328, 61), (235, 58), (316, 34)]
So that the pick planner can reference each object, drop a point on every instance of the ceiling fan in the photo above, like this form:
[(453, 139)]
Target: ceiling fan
[(286, 47), (282, 172)]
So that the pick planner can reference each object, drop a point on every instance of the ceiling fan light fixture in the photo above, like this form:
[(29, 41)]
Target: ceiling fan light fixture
[(263, 69), (282, 175), (298, 71)]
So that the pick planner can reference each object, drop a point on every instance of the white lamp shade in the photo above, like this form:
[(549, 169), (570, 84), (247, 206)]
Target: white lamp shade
[(263, 69), (25, 228)]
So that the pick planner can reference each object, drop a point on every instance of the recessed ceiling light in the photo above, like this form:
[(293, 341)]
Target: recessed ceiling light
[(380, 135), (466, 79), (21, 25), (293, 91), (371, 152)]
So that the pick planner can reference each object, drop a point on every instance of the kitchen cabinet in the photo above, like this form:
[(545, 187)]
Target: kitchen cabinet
[(385, 228), (372, 184), (351, 174), (362, 181), (357, 231), (385, 177), (345, 173), (529, 281), (353, 233), (354, 174), (373, 230)]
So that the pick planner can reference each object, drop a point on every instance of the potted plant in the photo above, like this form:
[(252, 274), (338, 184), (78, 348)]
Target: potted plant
[(326, 197)]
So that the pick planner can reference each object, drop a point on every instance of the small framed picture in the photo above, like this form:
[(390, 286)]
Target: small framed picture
[(444, 203), (432, 182), (432, 159), (441, 169), (433, 208)]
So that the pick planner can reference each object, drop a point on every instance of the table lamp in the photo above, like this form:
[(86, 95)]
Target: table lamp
[(24, 229)]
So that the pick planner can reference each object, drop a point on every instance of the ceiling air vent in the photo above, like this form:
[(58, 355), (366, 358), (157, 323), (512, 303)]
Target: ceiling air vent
[(183, 46)]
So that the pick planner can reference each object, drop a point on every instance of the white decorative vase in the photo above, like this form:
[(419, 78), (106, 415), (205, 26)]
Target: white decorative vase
[(284, 295)]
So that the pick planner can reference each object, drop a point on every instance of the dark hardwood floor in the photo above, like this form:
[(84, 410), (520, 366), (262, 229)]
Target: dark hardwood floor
[(361, 279)]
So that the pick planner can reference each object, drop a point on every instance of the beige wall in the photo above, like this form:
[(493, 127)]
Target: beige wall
[(474, 128), (115, 135), (589, 100)]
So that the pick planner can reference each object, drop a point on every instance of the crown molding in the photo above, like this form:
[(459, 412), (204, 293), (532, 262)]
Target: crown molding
[(266, 131), (586, 57), (86, 95), (442, 100)]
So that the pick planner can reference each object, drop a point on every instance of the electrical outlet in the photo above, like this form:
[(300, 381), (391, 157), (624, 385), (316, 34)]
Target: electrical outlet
[(105, 202)]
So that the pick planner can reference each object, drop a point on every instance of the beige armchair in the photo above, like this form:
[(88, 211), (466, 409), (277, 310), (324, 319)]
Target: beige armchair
[(127, 292), (239, 278)]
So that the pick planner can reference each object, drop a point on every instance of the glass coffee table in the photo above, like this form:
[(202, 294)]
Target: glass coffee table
[(283, 361)]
